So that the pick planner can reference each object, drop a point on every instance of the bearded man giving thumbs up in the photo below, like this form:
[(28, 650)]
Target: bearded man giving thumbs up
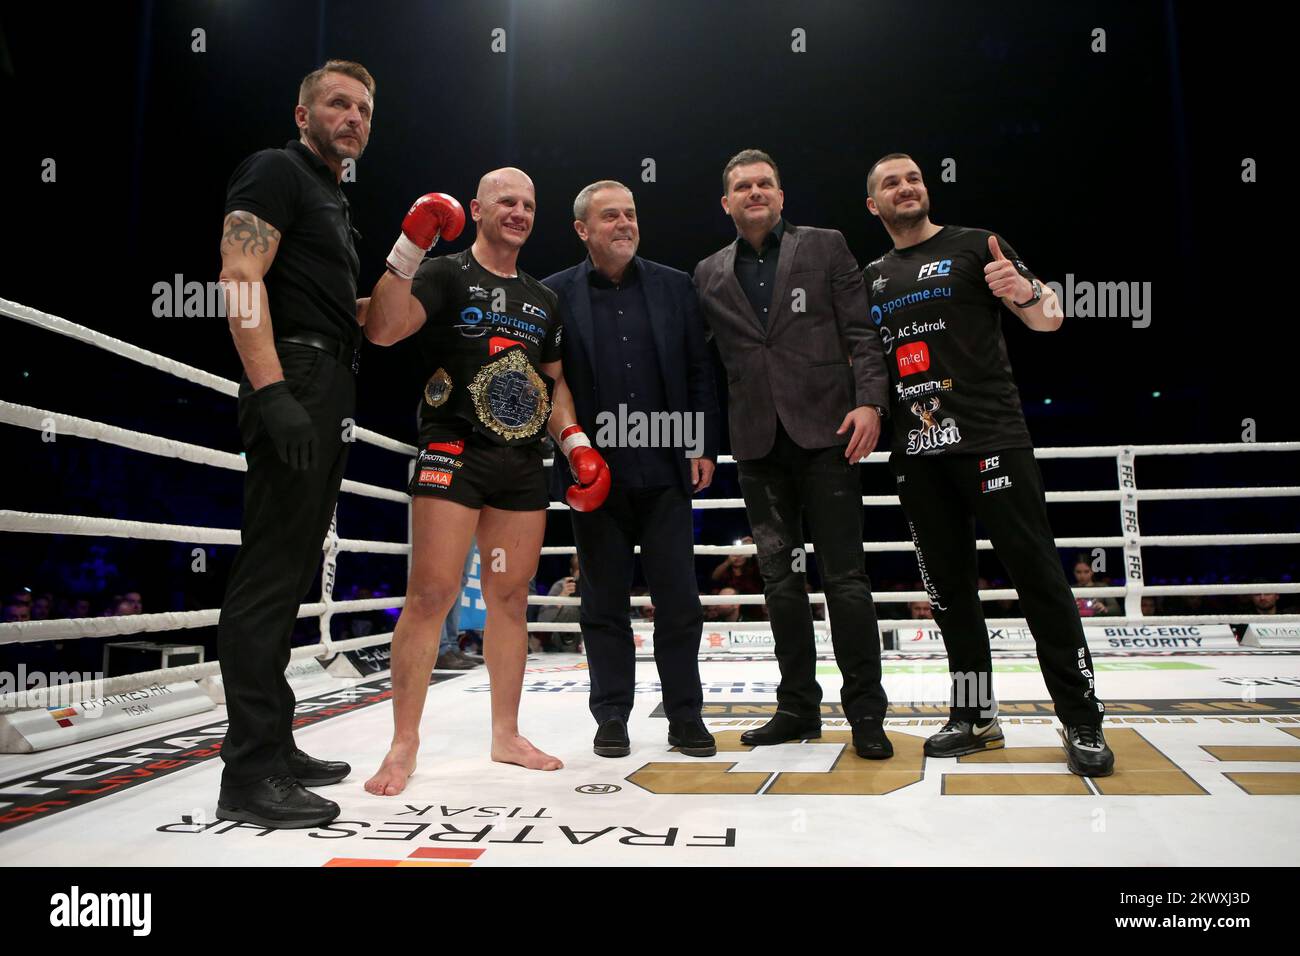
[(961, 451)]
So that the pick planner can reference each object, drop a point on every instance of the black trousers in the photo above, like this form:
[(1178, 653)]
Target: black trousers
[(781, 488), (942, 496), (286, 516), (659, 520)]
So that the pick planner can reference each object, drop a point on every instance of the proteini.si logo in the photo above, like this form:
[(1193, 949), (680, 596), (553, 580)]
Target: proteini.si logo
[(78, 909)]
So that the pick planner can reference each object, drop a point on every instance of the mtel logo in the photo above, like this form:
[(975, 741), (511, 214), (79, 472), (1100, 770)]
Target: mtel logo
[(932, 269), (499, 343), (913, 358)]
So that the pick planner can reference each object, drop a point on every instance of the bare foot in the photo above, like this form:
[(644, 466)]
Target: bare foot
[(519, 751), (399, 764)]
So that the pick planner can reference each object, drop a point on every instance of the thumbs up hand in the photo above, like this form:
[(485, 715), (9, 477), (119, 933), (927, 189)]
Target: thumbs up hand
[(1004, 279)]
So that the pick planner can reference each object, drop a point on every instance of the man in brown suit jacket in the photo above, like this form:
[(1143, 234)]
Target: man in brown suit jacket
[(808, 388)]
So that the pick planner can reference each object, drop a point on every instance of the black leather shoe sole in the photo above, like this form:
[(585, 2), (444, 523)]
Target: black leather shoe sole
[(247, 816), (810, 734), (612, 750), (709, 751)]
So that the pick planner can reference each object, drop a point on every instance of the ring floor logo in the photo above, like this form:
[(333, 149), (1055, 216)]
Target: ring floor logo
[(1142, 768)]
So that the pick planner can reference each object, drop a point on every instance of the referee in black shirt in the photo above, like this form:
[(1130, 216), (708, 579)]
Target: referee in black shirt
[(289, 268)]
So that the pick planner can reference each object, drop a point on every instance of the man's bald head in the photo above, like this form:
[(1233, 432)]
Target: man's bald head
[(504, 206), (505, 178)]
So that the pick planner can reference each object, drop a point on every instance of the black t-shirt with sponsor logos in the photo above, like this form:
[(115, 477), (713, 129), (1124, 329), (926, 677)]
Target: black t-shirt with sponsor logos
[(953, 391), (474, 317)]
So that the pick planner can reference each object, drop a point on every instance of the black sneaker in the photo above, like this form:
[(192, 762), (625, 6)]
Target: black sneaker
[(960, 737), (611, 739), (1086, 752), (692, 738), (278, 802), (869, 739)]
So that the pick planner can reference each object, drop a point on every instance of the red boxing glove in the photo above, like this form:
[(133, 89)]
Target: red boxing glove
[(432, 217), (588, 468)]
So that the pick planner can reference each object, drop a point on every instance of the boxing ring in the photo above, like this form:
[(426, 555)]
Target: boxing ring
[(1206, 731)]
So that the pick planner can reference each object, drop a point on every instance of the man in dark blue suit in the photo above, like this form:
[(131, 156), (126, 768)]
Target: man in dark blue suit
[(642, 381)]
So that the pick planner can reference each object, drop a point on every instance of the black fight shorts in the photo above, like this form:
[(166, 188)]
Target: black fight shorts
[(475, 472)]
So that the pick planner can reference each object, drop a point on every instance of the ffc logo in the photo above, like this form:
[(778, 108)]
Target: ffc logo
[(988, 464), (913, 358), (932, 269)]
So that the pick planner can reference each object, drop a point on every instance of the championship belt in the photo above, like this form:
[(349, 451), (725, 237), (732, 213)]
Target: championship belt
[(510, 397)]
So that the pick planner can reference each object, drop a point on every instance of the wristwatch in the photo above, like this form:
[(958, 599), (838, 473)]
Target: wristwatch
[(1038, 294)]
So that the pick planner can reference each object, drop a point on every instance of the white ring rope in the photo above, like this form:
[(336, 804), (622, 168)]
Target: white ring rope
[(24, 416), (188, 372), (65, 629), (1171, 620)]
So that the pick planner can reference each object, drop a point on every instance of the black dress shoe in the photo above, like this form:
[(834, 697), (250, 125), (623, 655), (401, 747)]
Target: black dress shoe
[(311, 772), (869, 739), (611, 739), (691, 737), (278, 802), (783, 728)]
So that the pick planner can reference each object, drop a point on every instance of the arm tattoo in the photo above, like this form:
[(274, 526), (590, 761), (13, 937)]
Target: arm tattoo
[(246, 230)]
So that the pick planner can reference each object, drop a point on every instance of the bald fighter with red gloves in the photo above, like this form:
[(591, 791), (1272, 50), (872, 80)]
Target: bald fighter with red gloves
[(489, 336)]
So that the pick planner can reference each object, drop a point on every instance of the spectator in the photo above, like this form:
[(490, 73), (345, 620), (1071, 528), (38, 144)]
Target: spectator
[(1265, 603), (1085, 578), (920, 611), (135, 602), (75, 607), (568, 641), (17, 611), (723, 613), (739, 571), (42, 605), (1150, 606)]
